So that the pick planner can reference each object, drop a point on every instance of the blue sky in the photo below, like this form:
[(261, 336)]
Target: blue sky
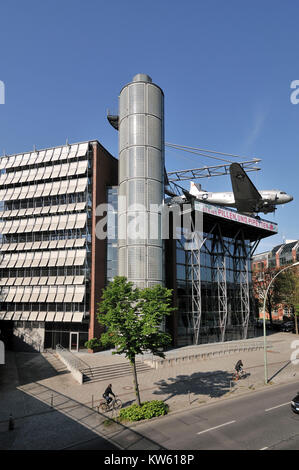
[(225, 68)]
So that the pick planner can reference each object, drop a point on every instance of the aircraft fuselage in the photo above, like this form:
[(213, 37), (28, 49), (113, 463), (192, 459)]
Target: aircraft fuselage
[(269, 200)]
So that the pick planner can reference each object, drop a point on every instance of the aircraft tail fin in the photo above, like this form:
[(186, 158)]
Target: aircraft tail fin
[(195, 188), (247, 197)]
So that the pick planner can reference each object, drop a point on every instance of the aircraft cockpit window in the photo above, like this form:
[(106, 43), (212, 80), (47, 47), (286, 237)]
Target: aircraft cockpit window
[(282, 192)]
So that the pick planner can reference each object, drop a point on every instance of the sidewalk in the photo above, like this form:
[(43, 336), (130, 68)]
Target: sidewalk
[(200, 381), (52, 411)]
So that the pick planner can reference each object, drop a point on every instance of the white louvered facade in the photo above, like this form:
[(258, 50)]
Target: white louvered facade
[(45, 225)]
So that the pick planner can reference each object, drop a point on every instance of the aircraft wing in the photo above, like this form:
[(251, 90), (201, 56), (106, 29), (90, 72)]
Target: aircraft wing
[(247, 197)]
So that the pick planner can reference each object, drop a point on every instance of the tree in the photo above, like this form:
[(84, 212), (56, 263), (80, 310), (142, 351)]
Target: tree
[(286, 284), (296, 313), (294, 299), (133, 319), (283, 291), (261, 281)]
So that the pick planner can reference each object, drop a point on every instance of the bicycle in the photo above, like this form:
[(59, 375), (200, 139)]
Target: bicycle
[(241, 374), (115, 404)]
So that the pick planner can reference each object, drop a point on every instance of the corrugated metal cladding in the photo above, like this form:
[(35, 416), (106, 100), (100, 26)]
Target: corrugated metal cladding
[(141, 181), (45, 234)]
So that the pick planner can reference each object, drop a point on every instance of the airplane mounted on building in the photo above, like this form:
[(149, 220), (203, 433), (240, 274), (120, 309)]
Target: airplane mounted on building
[(244, 197)]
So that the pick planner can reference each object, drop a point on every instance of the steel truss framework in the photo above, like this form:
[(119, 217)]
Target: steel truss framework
[(208, 171), (192, 251), (220, 249), (241, 277), (219, 279)]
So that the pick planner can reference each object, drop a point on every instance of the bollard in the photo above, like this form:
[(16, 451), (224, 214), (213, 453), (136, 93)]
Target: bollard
[(51, 401), (189, 397), (92, 402), (11, 423)]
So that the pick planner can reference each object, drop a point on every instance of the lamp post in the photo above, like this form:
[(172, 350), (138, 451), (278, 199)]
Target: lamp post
[(264, 320)]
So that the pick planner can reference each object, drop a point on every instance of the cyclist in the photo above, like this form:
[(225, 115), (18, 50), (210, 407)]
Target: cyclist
[(239, 367), (108, 392)]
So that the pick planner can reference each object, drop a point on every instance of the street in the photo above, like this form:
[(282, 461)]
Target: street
[(259, 421)]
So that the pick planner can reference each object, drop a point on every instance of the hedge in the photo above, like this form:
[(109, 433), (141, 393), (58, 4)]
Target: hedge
[(147, 410)]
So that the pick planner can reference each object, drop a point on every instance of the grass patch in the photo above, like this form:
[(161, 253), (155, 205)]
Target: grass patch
[(108, 422)]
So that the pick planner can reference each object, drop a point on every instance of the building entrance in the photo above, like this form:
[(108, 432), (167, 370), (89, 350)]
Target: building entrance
[(66, 335), (74, 341)]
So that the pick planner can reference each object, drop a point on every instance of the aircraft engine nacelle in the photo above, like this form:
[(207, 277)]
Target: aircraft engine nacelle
[(268, 208)]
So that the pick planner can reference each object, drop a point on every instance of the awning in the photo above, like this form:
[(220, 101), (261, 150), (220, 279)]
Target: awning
[(77, 317), (41, 316), (68, 316), (50, 316)]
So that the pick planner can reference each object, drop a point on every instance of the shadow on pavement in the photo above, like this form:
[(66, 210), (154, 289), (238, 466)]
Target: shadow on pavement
[(280, 370), (44, 419), (36, 424), (213, 384), (47, 428)]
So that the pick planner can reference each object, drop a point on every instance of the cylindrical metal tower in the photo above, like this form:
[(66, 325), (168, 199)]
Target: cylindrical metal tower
[(141, 182)]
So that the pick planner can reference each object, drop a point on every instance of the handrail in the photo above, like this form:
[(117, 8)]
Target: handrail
[(76, 362)]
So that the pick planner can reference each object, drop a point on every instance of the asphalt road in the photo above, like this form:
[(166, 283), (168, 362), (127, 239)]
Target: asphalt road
[(259, 421)]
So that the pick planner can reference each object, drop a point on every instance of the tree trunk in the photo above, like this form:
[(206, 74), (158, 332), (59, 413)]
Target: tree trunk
[(296, 323), (136, 387), (270, 311)]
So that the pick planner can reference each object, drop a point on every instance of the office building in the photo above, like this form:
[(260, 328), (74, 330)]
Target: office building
[(52, 266)]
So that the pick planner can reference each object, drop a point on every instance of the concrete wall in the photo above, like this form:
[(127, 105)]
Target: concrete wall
[(68, 360)]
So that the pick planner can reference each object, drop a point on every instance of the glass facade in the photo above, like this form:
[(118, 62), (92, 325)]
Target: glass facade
[(59, 333), (112, 253), (225, 290)]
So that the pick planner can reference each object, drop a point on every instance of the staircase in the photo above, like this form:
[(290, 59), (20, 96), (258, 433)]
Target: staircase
[(112, 371)]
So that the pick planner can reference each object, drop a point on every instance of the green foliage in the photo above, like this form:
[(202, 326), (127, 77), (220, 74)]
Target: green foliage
[(133, 318), (93, 343), (147, 410), (285, 287)]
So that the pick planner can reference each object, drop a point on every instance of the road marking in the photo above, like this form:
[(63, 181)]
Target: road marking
[(216, 427), (264, 448), (278, 406)]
